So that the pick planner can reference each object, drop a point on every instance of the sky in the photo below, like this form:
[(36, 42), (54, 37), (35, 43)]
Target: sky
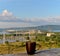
[(27, 13)]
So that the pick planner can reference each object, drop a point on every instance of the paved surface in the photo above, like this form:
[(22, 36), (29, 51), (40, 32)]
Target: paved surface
[(51, 52)]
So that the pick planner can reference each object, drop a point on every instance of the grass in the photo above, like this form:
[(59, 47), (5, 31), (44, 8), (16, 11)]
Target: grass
[(42, 43), (15, 47), (12, 48)]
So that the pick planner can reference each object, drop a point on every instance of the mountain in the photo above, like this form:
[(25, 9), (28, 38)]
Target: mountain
[(49, 27), (43, 27)]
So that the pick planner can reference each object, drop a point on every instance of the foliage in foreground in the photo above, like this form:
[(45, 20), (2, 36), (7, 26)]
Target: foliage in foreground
[(42, 42)]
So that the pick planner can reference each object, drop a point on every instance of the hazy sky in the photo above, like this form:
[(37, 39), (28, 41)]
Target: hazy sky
[(22, 13)]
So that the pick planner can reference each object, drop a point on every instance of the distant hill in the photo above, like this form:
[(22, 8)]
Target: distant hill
[(49, 27), (43, 27)]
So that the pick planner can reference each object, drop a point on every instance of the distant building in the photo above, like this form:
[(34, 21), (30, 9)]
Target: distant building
[(39, 31), (49, 34), (32, 31)]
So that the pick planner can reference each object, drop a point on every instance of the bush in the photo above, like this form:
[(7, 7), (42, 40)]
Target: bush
[(17, 40), (6, 42)]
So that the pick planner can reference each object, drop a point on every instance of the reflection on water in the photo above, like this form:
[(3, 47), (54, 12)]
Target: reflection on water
[(55, 30), (14, 40)]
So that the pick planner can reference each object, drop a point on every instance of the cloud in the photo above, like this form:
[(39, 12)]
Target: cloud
[(7, 16), (44, 21), (13, 24), (7, 19), (47, 19), (6, 13)]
